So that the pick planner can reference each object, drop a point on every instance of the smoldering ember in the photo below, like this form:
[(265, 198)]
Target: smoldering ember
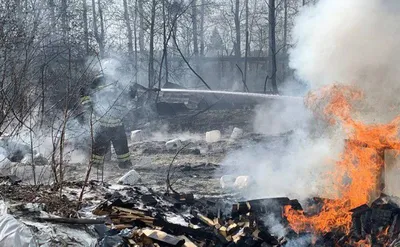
[(200, 123)]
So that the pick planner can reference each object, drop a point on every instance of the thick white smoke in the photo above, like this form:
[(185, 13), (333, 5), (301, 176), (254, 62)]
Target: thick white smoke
[(353, 42), (350, 42)]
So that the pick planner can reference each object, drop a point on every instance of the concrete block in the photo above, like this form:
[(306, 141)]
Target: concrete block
[(173, 144), (243, 182), (137, 136), (227, 181), (130, 178), (236, 133), (213, 136)]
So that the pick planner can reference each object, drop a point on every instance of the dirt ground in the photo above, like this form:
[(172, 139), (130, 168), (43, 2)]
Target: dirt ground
[(196, 169)]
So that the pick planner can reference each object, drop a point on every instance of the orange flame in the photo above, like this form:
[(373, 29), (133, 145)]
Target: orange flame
[(360, 163)]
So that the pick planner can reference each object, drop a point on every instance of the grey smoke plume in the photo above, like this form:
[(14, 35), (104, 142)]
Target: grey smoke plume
[(350, 42), (355, 43)]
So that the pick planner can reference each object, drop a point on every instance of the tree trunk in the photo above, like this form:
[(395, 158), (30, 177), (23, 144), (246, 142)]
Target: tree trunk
[(141, 25), (85, 27), (304, 2), (285, 31), (165, 42), (202, 13), (272, 44), (237, 28), (151, 55), (96, 29), (194, 26), (64, 21), (102, 34), (128, 29), (247, 45), (52, 15), (136, 41)]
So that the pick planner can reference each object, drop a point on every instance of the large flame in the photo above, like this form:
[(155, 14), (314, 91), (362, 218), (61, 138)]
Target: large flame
[(357, 173)]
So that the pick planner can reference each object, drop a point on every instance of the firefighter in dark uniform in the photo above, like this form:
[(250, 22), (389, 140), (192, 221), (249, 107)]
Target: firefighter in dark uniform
[(108, 102)]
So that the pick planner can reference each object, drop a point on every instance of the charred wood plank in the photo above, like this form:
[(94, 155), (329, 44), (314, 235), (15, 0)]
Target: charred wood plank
[(180, 230), (73, 221), (163, 237), (262, 206)]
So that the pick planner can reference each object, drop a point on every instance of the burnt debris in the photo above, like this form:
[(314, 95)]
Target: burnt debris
[(141, 217), (144, 218)]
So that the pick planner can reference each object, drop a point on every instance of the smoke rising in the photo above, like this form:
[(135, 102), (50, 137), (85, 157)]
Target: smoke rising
[(355, 43), (347, 42)]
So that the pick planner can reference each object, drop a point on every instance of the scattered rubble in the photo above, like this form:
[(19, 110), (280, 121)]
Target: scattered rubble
[(14, 233), (137, 136), (38, 159), (227, 182), (213, 136), (144, 218), (138, 216), (5, 164), (173, 144), (243, 182), (236, 133)]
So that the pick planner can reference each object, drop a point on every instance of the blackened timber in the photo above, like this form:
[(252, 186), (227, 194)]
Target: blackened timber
[(262, 205), (163, 237), (180, 230), (72, 221), (359, 210)]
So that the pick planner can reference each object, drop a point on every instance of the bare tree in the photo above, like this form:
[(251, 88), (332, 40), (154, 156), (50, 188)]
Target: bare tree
[(151, 52), (247, 45), (237, 29), (202, 13), (128, 29), (141, 25), (165, 42), (64, 19), (272, 44), (85, 25), (194, 26), (102, 30), (99, 37)]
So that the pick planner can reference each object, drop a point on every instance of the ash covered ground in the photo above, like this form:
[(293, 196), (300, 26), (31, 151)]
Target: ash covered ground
[(197, 168)]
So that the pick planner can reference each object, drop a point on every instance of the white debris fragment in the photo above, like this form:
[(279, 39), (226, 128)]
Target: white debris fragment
[(5, 163), (130, 178), (15, 233), (37, 158), (243, 182), (227, 181), (236, 133), (173, 144), (137, 136), (213, 136), (3, 151)]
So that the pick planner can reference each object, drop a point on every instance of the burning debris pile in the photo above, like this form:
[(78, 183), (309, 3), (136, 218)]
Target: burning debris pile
[(346, 219), (374, 225), (143, 218)]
